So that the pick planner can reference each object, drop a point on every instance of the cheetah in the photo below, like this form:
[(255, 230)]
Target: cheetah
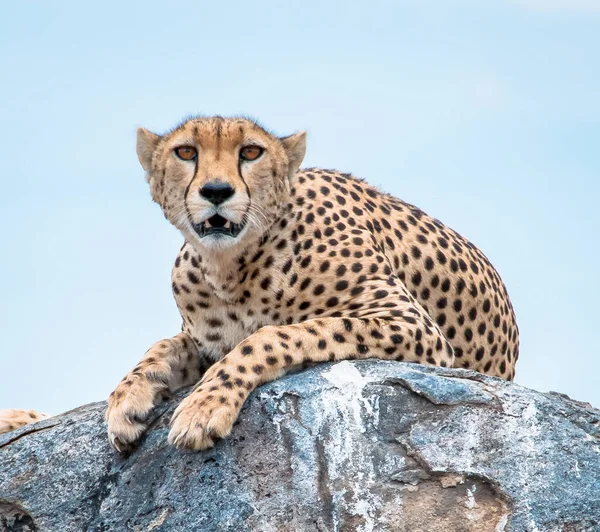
[(283, 267)]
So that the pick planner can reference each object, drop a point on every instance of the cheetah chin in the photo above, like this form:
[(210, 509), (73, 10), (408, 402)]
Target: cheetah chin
[(218, 226)]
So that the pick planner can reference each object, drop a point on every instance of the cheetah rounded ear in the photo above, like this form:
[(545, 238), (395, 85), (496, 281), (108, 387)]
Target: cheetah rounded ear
[(145, 146), (295, 148)]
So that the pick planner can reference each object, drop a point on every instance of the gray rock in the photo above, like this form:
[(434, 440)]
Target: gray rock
[(367, 446)]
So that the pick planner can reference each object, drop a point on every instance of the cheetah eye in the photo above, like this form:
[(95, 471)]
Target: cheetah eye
[(251, 153), (187, 153)]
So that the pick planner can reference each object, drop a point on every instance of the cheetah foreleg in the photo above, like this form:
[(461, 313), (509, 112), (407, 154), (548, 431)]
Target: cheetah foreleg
[(211, 409), (167, 366)]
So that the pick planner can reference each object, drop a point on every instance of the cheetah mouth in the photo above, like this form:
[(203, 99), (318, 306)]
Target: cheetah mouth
[(217, 225)]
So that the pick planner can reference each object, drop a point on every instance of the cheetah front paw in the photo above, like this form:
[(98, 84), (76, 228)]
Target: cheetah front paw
[(201, 419), (128, 409)]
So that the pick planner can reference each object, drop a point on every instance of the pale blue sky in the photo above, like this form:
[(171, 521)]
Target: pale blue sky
[(484, 114)]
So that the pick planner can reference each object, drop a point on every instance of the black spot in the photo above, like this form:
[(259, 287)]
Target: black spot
[(332, 302), (305, 261), (341, 285), (397, 339), (287, 266)]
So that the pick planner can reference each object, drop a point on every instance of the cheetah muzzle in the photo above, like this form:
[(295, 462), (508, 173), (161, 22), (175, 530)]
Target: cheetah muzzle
[(291, 267)]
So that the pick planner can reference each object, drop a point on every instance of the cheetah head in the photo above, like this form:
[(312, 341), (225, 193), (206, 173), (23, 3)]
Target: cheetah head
[(221, 181)]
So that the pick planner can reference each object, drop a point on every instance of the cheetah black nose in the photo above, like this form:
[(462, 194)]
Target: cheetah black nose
[(217, 192)]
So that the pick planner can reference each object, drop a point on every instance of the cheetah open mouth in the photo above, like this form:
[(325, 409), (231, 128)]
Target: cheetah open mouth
[(218, 225)]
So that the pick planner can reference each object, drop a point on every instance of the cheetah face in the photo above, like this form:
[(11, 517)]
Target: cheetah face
[(221, 182)]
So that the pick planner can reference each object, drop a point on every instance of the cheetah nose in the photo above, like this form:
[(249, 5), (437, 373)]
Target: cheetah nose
[(217, 192)]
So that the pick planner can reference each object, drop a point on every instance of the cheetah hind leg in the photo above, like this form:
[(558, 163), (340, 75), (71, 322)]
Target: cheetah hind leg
[(12, 419)]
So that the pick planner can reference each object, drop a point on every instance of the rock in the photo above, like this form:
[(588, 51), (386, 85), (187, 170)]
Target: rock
[(367, 445)]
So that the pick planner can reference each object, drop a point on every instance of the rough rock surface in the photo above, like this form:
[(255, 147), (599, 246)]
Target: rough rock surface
[(365, 445)]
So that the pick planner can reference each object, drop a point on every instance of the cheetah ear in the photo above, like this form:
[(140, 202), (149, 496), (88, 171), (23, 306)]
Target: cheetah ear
[(146, 144), (295, 148)]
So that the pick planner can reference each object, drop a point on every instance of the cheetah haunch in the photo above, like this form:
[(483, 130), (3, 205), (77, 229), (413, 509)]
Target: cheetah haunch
[(283, 267)]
